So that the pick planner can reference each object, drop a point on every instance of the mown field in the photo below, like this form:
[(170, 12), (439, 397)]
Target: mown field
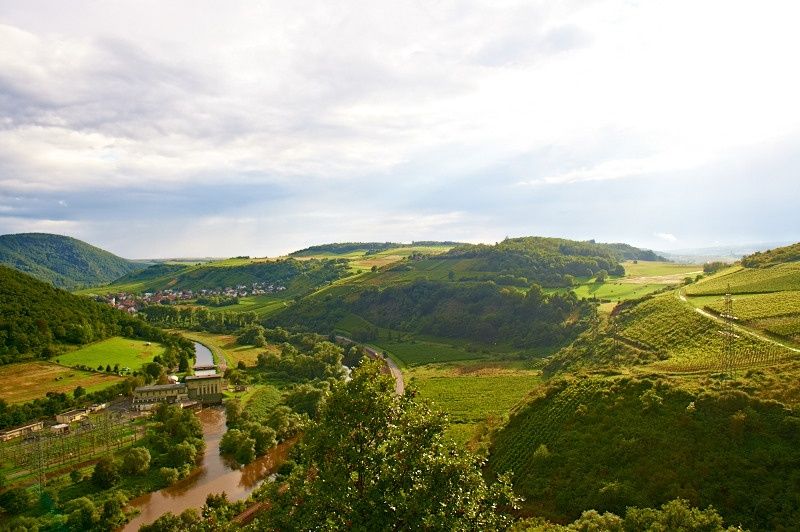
[(126, 352), (31, 380), (641, 278), (471, 393)]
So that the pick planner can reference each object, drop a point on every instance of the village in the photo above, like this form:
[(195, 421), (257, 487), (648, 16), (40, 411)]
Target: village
[(132, 303)]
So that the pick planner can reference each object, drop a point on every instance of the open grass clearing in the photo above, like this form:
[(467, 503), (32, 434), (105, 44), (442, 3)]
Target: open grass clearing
[(126, 352), (32, 380), (660, 269)]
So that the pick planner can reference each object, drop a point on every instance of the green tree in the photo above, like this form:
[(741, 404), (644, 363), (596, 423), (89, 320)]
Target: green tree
[(136, 461), (82, 514), (169, 475), (381, 461), (170, 522), (79, 392), (105, 474), (601, 276), (15, 500), (113, 515), (183, 453)]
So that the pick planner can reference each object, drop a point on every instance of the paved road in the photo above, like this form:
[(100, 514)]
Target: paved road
[(394, 369), (737, 327)]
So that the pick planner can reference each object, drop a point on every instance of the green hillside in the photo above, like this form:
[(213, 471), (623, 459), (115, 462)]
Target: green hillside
[(771, 257), (550, 261), (40, 321), (63, 261), (609, 443), (295, 275)]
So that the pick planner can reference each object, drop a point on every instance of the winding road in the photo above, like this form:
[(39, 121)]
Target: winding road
[(737, 327), (394, 369)]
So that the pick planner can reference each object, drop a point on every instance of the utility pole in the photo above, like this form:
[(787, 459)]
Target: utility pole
[(728, 334)]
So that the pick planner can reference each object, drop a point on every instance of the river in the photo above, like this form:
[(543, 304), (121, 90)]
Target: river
[(203, 358), (214, 476)]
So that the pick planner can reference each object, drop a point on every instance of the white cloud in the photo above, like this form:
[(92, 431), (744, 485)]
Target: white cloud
[(669, 237), (412, 99)]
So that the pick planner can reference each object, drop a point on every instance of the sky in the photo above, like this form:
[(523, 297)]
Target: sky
[(195, 128)]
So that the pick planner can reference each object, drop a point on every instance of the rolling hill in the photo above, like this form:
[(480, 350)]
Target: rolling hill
[(63, 261), (295, 275), (37, 319), (611, 442)]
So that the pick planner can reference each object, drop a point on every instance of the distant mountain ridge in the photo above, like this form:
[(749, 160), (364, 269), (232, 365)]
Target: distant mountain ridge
[(63, 261)]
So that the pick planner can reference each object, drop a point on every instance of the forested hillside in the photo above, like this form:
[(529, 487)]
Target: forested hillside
[(36, 319), (483, 312), (63, 261), (610, 443), (549, 261)]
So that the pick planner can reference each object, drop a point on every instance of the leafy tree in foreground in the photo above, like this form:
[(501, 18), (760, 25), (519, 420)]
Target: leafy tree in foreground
[(378, 461), (674, 515)]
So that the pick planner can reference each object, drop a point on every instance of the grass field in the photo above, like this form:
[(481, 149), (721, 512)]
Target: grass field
[(660, 269), (472, 392), (616, 290), (127, 353), (31, 380), (263, 305), (226, 346), (418, 352)]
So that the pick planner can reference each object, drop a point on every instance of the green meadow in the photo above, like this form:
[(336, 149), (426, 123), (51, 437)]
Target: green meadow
[(127, 353)]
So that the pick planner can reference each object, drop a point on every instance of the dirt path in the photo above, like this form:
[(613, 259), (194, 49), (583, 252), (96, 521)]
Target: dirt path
[(394, 369), (736, 327)]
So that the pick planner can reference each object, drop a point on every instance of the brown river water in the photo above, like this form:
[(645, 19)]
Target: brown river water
[(215, 475)]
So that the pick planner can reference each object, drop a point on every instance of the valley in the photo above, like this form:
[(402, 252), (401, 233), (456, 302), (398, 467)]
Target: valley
[(529, 349)]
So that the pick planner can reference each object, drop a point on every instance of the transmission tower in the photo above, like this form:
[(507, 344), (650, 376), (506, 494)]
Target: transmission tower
[(728, 334)]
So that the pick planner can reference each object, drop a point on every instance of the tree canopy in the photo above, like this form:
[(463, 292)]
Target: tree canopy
[(377, 461)]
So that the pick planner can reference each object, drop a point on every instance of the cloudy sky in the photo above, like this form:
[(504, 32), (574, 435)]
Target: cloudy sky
[(195, 128)]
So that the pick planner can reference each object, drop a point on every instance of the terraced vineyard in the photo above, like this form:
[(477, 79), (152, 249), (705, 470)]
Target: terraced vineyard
[(788, 327), (776, 313), (686, 341), (779, 278), (611, 442), (765, 305), (540, 421)]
